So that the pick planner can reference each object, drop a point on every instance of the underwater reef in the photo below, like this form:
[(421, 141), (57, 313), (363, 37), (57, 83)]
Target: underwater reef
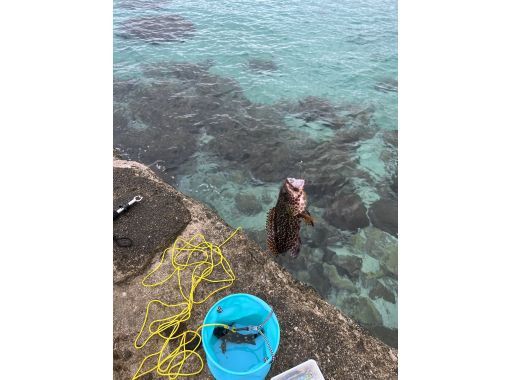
[(200, 133), (311, 328), (259, 65), (157, 28), (141, 4)]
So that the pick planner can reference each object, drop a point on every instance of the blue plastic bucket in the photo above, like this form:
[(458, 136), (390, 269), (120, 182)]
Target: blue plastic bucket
[(240, 361)]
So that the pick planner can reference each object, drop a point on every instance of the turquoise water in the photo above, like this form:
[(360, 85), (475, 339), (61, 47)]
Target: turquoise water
[(227, 98)]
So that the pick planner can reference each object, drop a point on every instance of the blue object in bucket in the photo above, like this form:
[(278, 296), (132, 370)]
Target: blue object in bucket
[(240, 361)]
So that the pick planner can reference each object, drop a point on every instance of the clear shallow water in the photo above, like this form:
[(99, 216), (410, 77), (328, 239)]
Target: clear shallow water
[(240, 357), (244, 94), (334, 49)]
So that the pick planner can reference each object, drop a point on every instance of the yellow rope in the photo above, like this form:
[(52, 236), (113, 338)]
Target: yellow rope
[(183, 256)]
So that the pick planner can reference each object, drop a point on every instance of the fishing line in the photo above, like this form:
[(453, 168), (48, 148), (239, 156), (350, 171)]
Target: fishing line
[(183, 256), (300, 164)]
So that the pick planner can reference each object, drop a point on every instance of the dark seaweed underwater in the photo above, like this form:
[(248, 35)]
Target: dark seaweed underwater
[(226, 122)]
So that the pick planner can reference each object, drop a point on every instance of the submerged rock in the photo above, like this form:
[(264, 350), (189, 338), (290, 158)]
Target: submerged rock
[(156, 29), (184, 71), (364, 310), (311, 108), (258, 236), (359, 114), (319, 236), (304, 276), (248, 204), (332, 168), (270, 153), (267, 198), (315, 254), (322, 184), (351, 137), (380, 291), (391, 138), (348, 265), (141, 4), (146, 127), (387, 335), (379, 245), (384, 215), (390, 262), (347, 212), (261, 65), (164, 116), (339, 282), (394, 184), (329, 254), (318, 280)]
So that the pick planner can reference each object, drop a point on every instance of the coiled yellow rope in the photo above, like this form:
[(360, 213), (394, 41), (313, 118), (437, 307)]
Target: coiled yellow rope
[(183, 257)]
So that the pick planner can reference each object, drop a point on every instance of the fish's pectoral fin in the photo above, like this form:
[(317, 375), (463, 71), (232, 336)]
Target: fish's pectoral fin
[(305, 215)]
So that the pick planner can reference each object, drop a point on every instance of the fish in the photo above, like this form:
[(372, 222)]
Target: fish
[(284, 220)]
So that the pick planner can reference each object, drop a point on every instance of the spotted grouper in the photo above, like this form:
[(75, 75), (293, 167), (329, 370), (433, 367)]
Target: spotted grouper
[(284, 220)]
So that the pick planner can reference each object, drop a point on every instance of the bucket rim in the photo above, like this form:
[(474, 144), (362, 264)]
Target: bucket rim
[(264, 304)]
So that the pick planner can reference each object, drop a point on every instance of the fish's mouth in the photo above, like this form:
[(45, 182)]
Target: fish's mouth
[(296, 183)]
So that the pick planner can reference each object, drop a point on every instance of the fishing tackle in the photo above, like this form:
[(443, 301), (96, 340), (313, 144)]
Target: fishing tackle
[(121, 209), (124, 241)]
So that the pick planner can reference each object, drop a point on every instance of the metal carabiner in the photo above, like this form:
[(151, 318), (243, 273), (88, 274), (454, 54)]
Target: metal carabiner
[(121, 209), (137, 198)]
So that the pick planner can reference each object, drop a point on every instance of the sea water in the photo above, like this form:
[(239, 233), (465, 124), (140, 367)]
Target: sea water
[(335, 49), (242, 63), (241, 357)]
